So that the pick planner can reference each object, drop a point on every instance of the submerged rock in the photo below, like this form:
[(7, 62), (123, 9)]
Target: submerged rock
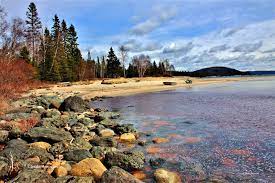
[(156, 163), (160, 140), (49, 134), (106, 133), (118, 175), (165, 176), (75, 104), (128, 137), (126, 160), (125, 128), (89, 167)]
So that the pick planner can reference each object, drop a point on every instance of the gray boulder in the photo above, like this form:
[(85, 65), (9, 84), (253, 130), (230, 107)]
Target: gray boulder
[(75, 104), (127, 160), (48, 134), (4, 134), (33, 176), (73, 179), (77, 155), (118, 175)]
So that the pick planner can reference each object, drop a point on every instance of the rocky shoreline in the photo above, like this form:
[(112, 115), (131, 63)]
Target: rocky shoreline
[(48, 139)]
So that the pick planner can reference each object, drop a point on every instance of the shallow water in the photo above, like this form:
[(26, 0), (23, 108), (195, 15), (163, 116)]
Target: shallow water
[(218, 132)]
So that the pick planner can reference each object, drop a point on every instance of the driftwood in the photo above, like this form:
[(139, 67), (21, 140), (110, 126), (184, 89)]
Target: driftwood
[(169, 83)]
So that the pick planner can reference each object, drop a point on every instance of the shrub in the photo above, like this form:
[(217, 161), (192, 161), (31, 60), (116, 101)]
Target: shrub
[(15, 77)]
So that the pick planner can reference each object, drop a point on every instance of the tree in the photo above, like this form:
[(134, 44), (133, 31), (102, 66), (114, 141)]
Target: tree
[(33, 28), (123, 54), (142, 63), (113, 65), (25, 54), (103, 67)]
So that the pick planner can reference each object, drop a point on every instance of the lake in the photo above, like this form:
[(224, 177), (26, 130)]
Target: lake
[(222, 132)]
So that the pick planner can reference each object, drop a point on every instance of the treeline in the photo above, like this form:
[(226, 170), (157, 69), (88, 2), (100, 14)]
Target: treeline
[(55, 55)]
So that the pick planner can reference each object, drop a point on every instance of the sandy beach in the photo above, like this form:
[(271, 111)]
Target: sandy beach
[(130, 86)]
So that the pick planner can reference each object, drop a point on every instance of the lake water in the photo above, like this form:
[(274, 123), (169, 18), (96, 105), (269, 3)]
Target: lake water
[(220, 132)]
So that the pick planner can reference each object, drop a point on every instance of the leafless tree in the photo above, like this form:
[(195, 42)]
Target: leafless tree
[(123, 54), (142, 63)]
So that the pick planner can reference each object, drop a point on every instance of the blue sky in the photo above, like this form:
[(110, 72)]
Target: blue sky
[(191, 33)]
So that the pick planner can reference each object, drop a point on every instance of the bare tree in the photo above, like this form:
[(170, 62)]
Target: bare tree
[(3, 32), (142, 63), (123, 54)]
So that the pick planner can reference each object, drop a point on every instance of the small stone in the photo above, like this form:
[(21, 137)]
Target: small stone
[(60, 171), (139, 174), (159, 140), (127, 137), (89, 167), (106, 133), (43, 145), (34, 159), (165, 176)]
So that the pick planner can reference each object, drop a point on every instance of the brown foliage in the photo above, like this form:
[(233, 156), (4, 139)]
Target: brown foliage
[(15, 77)]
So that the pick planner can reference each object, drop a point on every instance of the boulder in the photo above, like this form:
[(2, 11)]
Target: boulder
[(48, 134), (127, 160), (4, 134), (100, 152), (43, 145), (108, 123), (77, 155), (125, 128), (33, 176), (51, 113), (43, 155), (74, 179), (104, 142), (16, 147), (139, 174), (118, 175), (88, 167), (164, 176), (106, 133), (128, 137), (74, 103)]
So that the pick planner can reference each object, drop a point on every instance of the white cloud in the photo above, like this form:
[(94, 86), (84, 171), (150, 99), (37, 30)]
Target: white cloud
[(160, 16)]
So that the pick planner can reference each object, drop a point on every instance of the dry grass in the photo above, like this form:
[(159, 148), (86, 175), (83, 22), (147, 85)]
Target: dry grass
[(115, 81)]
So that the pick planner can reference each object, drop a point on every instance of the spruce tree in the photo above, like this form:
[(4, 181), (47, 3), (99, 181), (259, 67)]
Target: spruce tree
[(113, 65), (33, 28), (74, 54)]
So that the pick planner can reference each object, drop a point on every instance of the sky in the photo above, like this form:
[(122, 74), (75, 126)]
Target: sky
[(192, 34)]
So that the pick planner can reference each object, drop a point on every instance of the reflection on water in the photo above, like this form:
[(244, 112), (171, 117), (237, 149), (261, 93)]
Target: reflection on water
[(219, 132)]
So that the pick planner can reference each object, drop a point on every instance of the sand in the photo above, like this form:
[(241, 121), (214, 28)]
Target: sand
[(122, 87)]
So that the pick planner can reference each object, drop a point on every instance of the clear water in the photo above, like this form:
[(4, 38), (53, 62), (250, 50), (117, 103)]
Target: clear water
[(220, 132)]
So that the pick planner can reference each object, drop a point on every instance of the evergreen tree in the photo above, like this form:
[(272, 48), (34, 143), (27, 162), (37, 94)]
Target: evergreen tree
[(98, 68), (25, 54), (113, 65), (74, 54), (103, 67), (33, 29), (132, 71), (154, 69)]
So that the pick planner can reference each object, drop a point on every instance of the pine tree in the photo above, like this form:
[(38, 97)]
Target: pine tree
[(33, 28), (154, 69), (98, 68), (113, 65)]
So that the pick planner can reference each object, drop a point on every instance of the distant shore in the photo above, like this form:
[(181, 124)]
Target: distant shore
[(129, 86)]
